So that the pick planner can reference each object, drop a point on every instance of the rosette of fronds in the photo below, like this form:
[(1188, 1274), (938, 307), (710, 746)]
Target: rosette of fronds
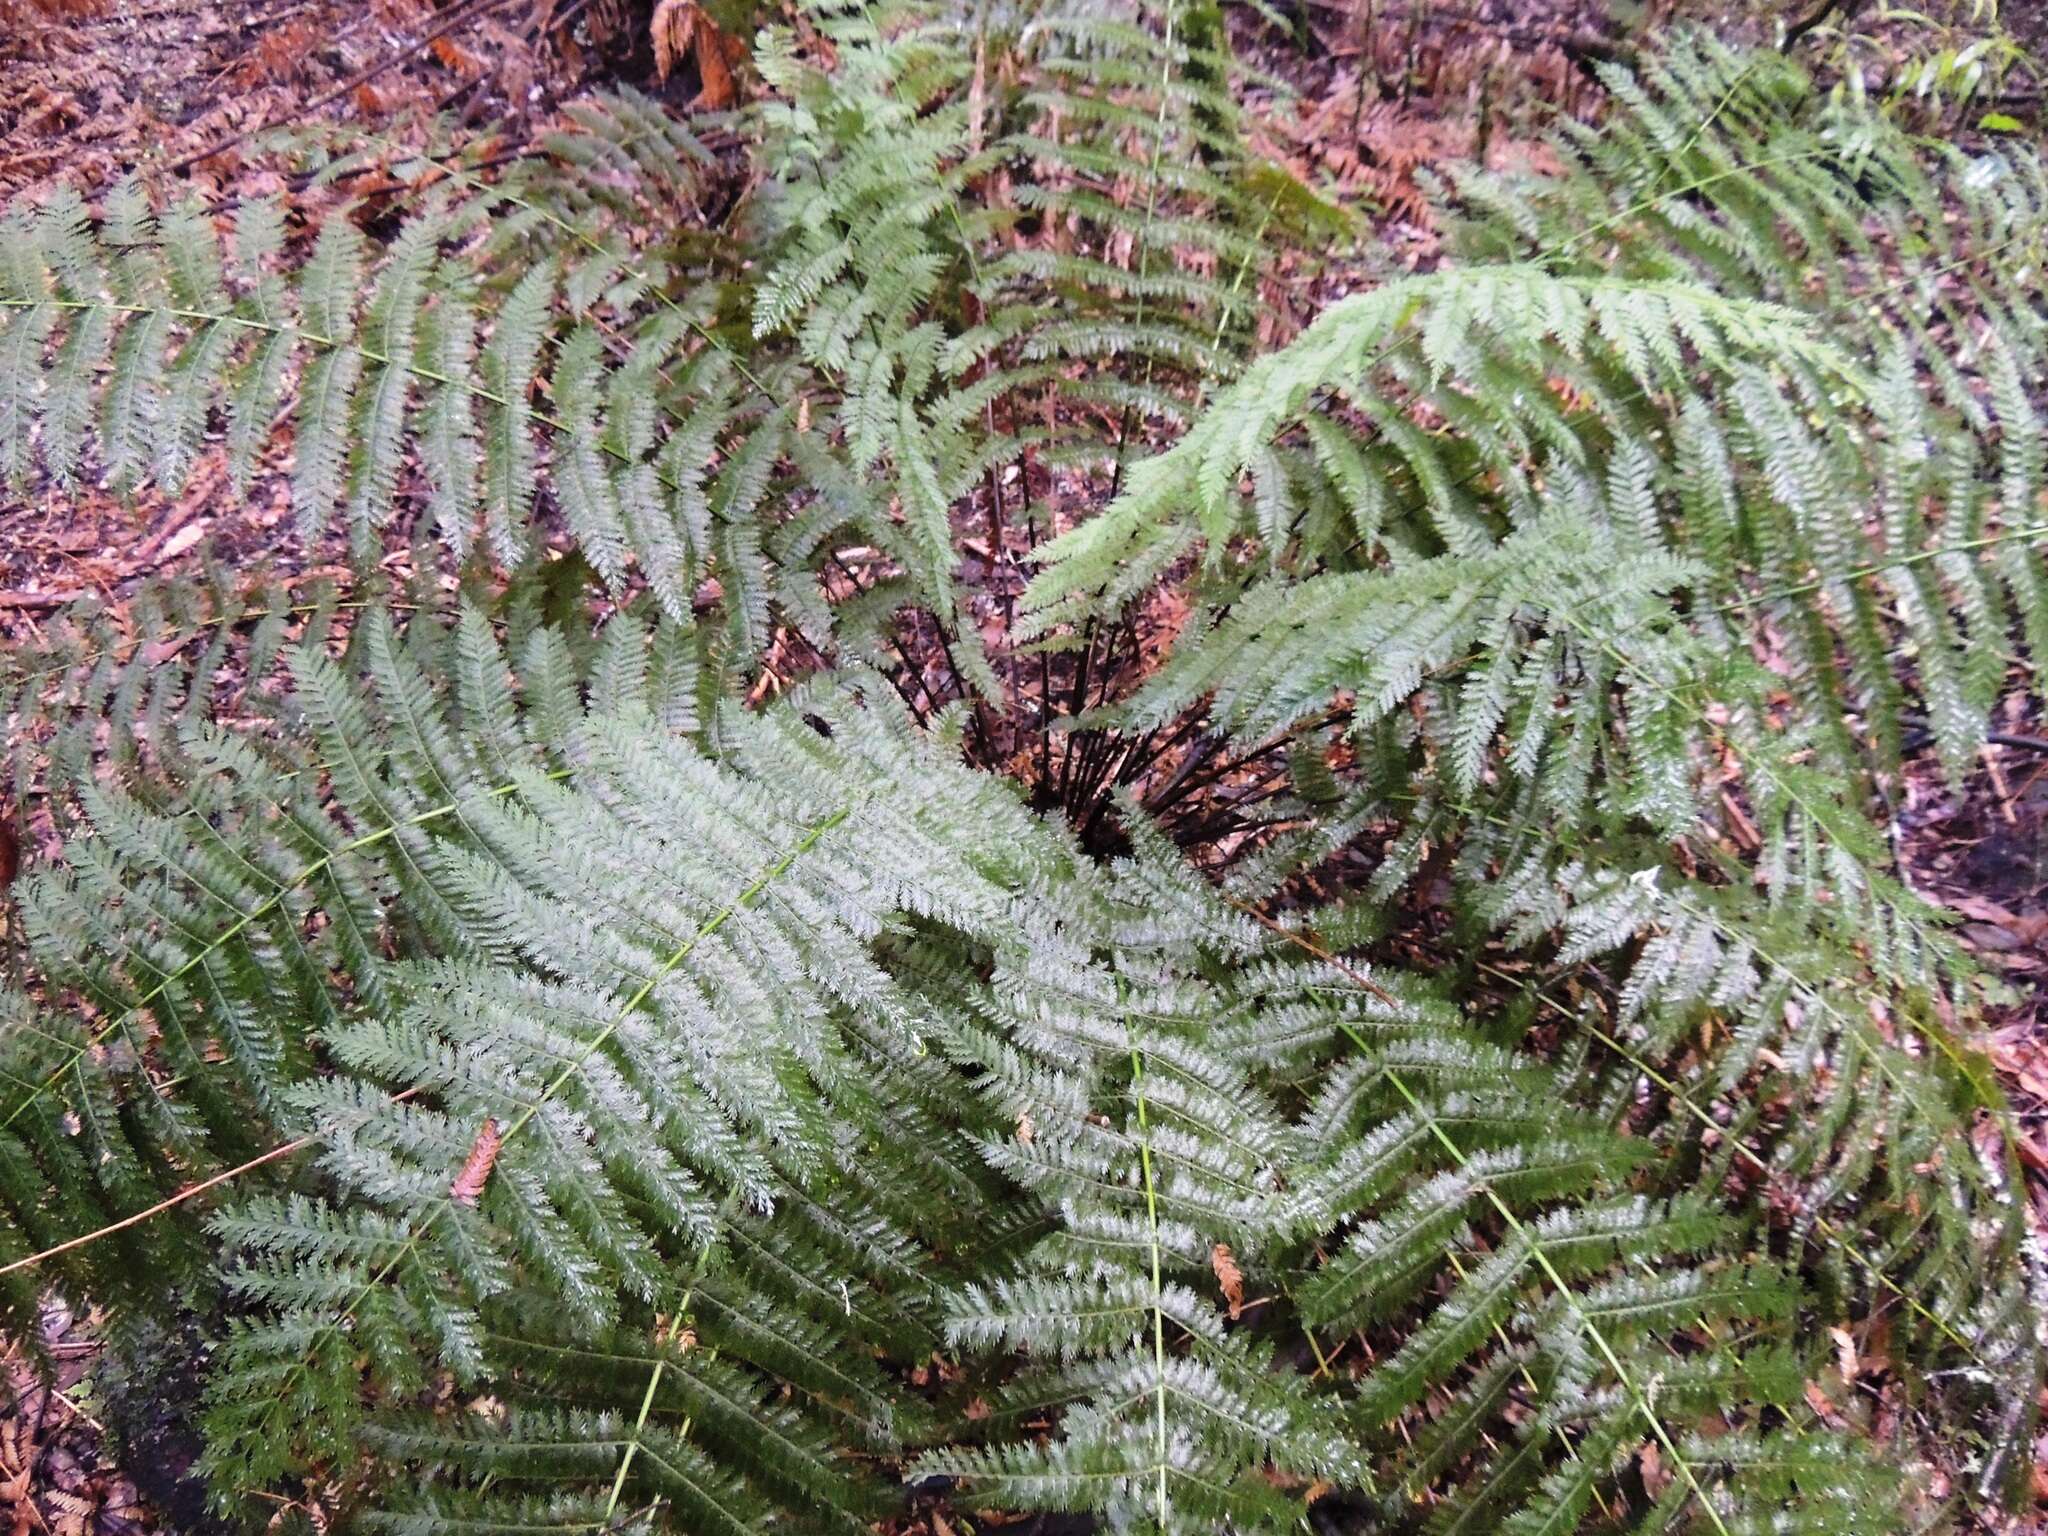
[(580, 1090)]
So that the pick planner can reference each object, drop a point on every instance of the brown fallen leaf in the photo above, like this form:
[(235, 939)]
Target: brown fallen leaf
[(1981, 909), (469, 1184), (453, 55), (1229, 1276), (1823, 1406), (1656, 1477), (682, 29)]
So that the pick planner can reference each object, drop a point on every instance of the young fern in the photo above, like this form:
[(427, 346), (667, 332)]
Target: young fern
[(950, 321)]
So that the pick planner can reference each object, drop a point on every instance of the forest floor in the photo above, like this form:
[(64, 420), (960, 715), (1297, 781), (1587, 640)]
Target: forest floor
[(188, 93)]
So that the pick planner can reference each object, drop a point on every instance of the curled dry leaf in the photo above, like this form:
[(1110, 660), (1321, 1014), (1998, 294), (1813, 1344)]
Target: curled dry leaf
[(681, 29), (1845, 1353), (469, 1184), (1229, 1277)]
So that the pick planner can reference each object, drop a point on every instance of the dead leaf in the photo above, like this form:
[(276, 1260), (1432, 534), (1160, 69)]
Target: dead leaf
[(458, 58), (10, 851), (1655, 1477), (1845, 1352), (469, 1184), (1982, 910), (157, 652), (682, 29), (1229, 1276), (183, 540), (1823, 1407)]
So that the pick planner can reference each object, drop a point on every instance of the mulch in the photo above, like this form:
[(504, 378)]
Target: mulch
[(54, 1478), (1981, 850)]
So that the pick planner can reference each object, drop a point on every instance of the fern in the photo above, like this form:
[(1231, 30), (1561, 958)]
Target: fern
[(1517, 528), (402, 1257), (412, 354), (1199, 1166), (430, 366), (578, 1090), (680, 1155)]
